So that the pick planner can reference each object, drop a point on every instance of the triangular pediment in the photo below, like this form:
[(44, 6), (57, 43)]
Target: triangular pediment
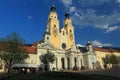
[(46, 45), (73, 48)]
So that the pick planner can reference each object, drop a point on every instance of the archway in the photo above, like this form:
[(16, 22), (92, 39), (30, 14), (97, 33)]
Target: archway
[(75, 60), (63, 63)]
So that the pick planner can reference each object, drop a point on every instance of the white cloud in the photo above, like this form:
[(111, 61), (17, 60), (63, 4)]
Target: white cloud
[(110, 29), (99, 44), (79, 45), (118, 1), (118, 19), (29, 17), (72, 9), (67, 3), (90, 18), (92, 2), (85, 2)]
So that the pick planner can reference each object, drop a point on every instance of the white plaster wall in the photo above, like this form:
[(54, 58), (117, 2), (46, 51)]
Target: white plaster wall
[(32, 59)]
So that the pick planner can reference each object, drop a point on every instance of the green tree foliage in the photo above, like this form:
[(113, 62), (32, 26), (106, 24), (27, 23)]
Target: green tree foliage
[(111, 59), (12, 50), (47, 58), (114, 60), (106, 60)]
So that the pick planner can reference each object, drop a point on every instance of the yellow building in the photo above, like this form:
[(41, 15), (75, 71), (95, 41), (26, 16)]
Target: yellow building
[(102, 52)]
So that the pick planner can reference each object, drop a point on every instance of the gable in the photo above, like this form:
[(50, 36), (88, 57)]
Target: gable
[(46, 45)]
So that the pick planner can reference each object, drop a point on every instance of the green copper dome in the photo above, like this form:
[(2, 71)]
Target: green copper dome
[(53, 9), (67, 15)]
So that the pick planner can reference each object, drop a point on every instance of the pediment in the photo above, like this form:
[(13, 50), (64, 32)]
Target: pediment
[(73, 48), (46, 45)]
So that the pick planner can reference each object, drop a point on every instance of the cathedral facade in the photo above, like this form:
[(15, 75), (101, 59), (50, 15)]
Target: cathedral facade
[(61, 42)]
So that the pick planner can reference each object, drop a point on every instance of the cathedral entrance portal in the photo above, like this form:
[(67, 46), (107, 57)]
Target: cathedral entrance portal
[(68, 63), (63, 63), (75, 60)]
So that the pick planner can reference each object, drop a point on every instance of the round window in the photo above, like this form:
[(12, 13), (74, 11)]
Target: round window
[(63, 45)]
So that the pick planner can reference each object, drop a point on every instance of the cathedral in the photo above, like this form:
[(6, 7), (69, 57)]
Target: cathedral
[(61, 42)]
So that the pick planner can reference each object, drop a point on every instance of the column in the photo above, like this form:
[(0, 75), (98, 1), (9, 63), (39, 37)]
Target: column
[(56, 63), (59, 62), (65, 63), (68, 62), (3, 66), (78, 62), (71, 62)]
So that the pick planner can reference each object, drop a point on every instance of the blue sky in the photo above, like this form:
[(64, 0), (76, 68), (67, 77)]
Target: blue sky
[(94, 20)]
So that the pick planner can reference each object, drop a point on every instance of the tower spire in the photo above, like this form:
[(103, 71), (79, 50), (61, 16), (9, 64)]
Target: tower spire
[(53, 6), (67, 15), (53, 3)]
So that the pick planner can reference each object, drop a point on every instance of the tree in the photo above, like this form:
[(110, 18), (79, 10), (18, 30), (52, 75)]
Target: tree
[(111, 59), (106, 60), (12, 50), (114, 60), (47, 58)]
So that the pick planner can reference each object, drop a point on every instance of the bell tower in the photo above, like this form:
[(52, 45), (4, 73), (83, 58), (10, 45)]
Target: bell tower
[(69, 30), (52, 31)]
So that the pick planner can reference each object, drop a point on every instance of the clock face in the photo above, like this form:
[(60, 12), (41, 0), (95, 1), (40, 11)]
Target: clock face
[(71, 36), (55, 32), (63, 45)]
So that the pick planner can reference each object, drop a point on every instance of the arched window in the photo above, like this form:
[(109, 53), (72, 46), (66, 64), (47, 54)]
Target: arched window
[(70, 30), (47, 38), (54, 25), (63, 32)]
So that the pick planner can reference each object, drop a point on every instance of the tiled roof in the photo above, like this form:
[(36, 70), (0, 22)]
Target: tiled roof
[(35, 44), (113, 50), (101, 49), (31, 50), (106, 50), (42, 40), (83, 49)]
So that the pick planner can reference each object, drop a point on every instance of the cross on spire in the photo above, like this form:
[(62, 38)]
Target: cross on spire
[(67, 15), (52, 2), (53, 6)]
